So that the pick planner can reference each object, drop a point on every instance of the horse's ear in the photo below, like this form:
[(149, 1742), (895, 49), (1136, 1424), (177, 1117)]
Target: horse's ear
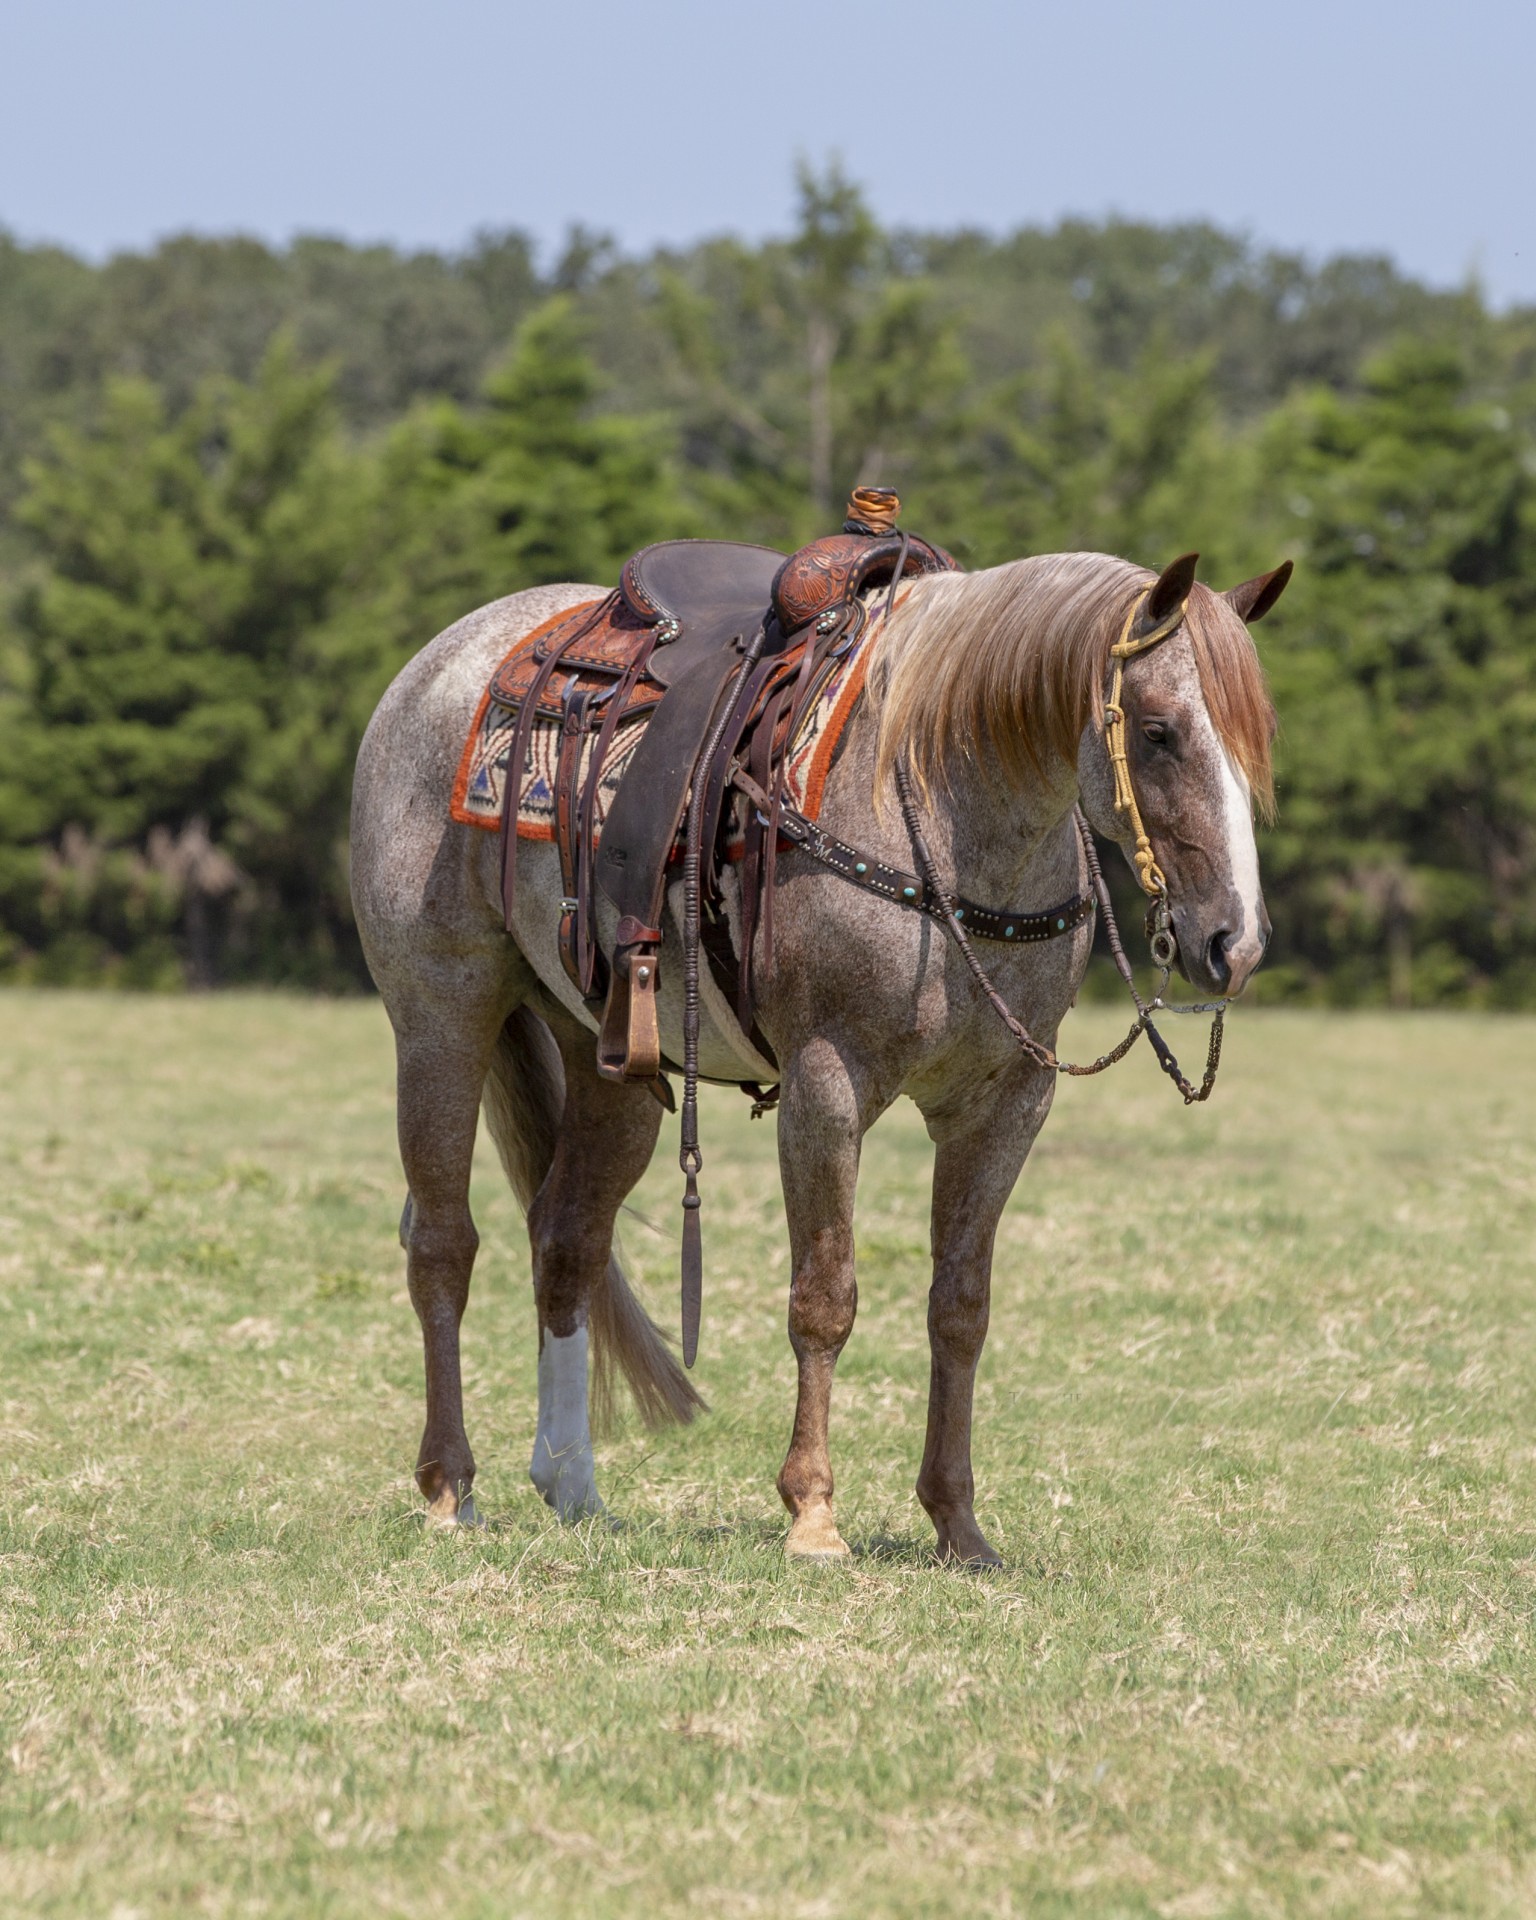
[(1171, 588), (1254, 598)]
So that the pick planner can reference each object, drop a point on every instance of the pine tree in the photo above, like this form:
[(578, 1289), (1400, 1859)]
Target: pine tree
[(183, 563)]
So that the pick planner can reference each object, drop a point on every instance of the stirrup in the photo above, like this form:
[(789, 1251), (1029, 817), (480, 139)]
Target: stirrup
[(629, 1041)]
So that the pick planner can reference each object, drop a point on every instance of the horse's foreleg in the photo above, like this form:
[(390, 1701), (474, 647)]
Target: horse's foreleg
[(820, 1130), (606, 1136), (440, 1074), (978, 1159)]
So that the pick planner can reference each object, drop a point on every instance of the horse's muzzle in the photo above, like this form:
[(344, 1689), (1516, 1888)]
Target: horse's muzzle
[(1230, 962), (1223, 961)]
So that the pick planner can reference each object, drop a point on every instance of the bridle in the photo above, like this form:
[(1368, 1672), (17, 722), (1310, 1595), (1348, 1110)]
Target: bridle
[(1161, 938)]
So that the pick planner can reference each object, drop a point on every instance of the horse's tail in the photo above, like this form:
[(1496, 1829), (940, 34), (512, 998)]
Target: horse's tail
[(524, 1095)]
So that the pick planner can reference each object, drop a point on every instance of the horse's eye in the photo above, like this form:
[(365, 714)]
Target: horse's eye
[(1157, 732)]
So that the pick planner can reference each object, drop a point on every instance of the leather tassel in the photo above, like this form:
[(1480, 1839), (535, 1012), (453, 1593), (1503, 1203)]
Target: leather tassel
[(693, 1270)]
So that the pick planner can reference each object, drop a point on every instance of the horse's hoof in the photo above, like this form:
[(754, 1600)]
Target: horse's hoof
[(449, 1511), (977, 1558), (569, 1500), (815, 1537)]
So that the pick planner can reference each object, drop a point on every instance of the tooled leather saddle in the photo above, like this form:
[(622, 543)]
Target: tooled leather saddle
[(720, 649)]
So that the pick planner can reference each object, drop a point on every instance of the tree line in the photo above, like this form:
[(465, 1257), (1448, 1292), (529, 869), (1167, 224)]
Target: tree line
[(240, 486)]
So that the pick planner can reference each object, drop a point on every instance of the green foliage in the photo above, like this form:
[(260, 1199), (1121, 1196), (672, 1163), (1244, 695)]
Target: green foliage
[(167, 645), (238, 488), (222, 597), (1405, 672), (533, 485), (1073, 457)]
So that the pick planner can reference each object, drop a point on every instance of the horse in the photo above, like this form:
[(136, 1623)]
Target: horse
[(985, 697)]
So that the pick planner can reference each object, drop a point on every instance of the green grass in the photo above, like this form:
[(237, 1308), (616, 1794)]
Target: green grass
[(1256, 1434)]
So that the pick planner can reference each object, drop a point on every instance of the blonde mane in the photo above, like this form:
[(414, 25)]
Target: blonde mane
[(1017, 657)]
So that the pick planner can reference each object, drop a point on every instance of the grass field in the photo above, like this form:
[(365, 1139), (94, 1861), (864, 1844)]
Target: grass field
[(1256, 1435)]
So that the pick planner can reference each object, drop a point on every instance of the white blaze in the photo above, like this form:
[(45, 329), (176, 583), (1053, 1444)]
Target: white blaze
[(1242, 858), (561, 1467)]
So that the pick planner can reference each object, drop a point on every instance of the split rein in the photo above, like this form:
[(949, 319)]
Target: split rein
[(1148, 873)]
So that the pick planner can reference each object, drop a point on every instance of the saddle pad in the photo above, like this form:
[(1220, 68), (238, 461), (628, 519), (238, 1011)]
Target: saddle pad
[(481, 785)]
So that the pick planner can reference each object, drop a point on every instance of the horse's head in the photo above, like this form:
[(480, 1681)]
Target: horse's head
[(1196, 735)]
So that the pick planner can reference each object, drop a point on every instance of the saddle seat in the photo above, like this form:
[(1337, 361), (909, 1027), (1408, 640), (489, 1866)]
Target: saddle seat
[(719, 649)]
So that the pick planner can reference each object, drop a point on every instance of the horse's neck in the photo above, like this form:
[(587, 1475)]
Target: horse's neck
[(994, 840)]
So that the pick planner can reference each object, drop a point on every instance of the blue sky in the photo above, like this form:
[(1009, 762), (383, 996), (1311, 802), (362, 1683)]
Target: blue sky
[(1398, 128)]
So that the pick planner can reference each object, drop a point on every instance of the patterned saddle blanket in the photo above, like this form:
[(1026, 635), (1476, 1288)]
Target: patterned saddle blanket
[(479, 791)]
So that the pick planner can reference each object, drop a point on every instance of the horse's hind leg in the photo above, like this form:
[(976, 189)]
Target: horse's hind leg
[(604, 1142), (441, 1068)]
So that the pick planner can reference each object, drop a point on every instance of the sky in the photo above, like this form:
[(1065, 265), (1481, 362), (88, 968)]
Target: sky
[(1400, 128)]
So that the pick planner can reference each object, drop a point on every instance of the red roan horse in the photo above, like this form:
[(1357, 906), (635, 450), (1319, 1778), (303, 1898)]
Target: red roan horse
[(991, 687)]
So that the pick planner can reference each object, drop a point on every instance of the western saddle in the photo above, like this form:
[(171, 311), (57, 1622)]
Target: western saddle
[(721, 649)]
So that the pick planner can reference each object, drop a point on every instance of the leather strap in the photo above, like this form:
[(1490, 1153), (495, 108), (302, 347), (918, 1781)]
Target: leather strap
[(517, 752), (1009, 926), (574, 728), (754, 858), (586, 817)]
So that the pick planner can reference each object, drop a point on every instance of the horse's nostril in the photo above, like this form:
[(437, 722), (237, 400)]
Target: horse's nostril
[(1217, 966)]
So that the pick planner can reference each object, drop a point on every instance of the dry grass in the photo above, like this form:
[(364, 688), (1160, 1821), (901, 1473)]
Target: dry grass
[(1255, 1433)]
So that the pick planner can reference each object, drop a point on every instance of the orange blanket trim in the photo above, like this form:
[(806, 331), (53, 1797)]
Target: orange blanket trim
[(832, 732)]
